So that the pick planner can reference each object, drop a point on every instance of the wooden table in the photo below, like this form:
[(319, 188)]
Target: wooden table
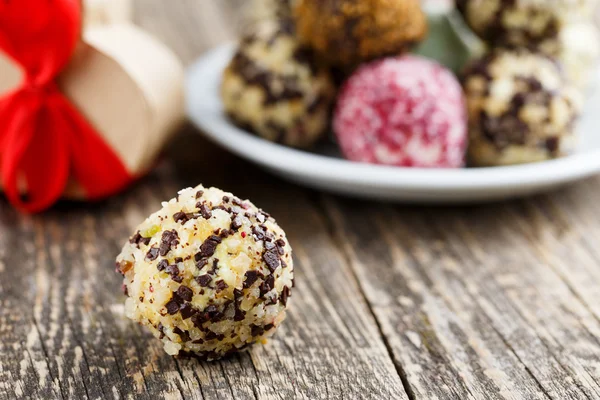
[(392, 302)]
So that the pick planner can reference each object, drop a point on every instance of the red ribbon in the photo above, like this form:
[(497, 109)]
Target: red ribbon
[(44, 139)]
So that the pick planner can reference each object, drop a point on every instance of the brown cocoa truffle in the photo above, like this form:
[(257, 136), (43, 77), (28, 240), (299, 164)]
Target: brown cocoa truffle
[(348, 32)]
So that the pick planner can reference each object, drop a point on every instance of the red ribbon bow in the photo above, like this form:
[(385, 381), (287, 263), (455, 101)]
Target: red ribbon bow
[(44, 139)]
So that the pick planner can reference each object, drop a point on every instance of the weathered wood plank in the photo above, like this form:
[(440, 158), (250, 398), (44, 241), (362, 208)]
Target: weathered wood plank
[(64, 335), (470, 308), (490, 302)]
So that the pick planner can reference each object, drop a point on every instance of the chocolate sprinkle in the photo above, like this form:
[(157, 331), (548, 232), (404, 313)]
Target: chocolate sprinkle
[(258, 234), (135, 238), (251, 277), (272, 259), (185, 293), (152, 254), (285, 293), (169, 239), (204, 211), (225, 233), (187, 311), (236, 223), (199, 193), (198, 319), (180, 217), (162, 264), (173, 269), (257, 330), (172, 307), (213, 313), (207, 249), (267, 285), (184, 335), (138, 238), (204, 280), (215, 266), (211, 335), (239, 315), (221, 285)]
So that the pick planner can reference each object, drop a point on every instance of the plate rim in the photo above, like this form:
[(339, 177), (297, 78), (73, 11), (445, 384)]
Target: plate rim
[(299, 162)]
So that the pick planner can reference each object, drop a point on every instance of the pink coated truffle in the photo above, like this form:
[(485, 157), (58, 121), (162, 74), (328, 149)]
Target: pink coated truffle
[(404, 111)]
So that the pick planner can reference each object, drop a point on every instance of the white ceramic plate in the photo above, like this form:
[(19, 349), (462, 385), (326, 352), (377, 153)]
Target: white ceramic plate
[(324, 169)]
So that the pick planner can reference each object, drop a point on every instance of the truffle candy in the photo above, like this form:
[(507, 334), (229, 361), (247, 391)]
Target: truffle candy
[(273, 88), (348, 32), (524, 22), (404, 111), (562, 29), (521, 109), (208, 274)]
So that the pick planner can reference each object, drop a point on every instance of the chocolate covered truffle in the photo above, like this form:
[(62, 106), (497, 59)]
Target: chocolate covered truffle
[(208, 274), (348, 32), (521, 109), (274, 88)]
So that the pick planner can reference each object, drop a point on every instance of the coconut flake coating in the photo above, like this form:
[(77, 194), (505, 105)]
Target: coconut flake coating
[(273, 88), (346, 33), (208, 274), (562, 29), (521, 109), (524, 22), (404, 111)]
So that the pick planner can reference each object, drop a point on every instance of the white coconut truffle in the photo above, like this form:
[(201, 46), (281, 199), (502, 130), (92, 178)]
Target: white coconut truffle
[(563, 29), (524, 22), (521, 109), (208, 274), (273, 88)]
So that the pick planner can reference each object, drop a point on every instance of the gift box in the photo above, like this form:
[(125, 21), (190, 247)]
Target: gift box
[(83, 112)]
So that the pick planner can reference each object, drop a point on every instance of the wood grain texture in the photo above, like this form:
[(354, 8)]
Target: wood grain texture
[(61, 316), (500, 301), (479, 302)]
